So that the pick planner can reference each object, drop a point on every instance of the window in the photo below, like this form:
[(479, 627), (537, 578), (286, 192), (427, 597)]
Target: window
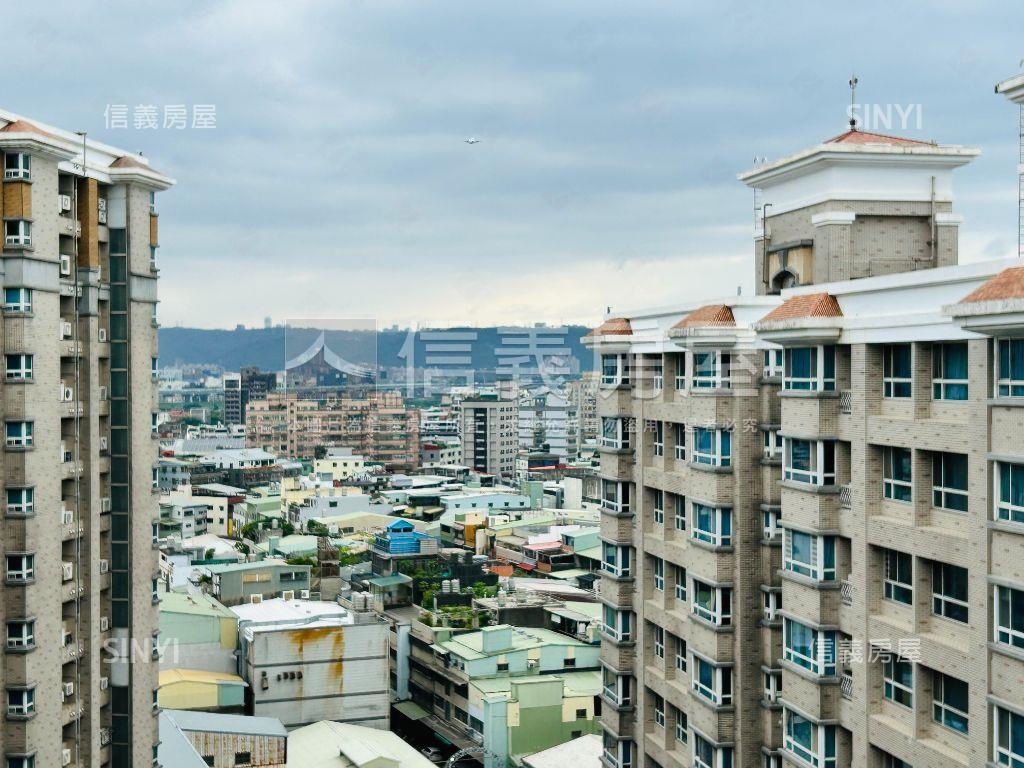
[(712, 604), (1009, 741), (812, 743), (617, 753), (679, 718), (898, 583), (707, 755), (21, 634), (809, 555), (615, 560), (949, 702), (617, 624), (949, 481), (657, 374), (680, 582), (810, 369), (1010, 504), (616, 687), (772, 685), (772, 363), (615, 433), (658, 506), (658, 428), (711, 682), (22, 761), (771, 523), (21, 702), (680, 654), (17, 165), (771, 603), (659, 710), (17, 232), (680, 512), (659, 574), (896, 474), (896, 376), (243, 758), (712, 447), (615, 496), (680, 438), (1009, 616), (712, 525), (809, 461), (772, 444), (898, 680), (1010, 374), (888, 761), (19, 434), (711, 370), (20, 501), (21, 567), (17, 299), (658, 635), (614, 370), (812, 649), (210, 760), (18, 367), (949, 591), (949, 371), (680, 372)]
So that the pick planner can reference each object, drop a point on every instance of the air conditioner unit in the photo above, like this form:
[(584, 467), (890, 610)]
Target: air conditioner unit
[(101, 216), (67, 394), (104, 566), (67, 517), (63, 203), (288, 594), (103, 334), (103, 443), (67, 570), (65, 754), (65, 265), (103, 393), (304, 594), (255, 599), (105, 504), (69, 690), (104, 683), (104, 623), (65, 330), (65, 638)]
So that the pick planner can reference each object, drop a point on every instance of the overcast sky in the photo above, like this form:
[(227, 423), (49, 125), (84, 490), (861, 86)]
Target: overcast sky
[(337, 184)]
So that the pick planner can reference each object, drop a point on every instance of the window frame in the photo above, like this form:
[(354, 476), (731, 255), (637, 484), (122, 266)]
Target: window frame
[(1004, 755), (944, 385), (18, 366), (23, 302), (893, 385), (721, 447), (823, 662), (943, 604), (818, 472), (25, 506), (942, 711), (680, 577), (942, 493), (1003, 629), (658, 569), (893, 587), (718, 611), (720, 690), (21, 170), (658, 441), (720, 534), (679, 434), (1006, 386), (23, 440), (18, 232), (817, 568), (717, 374), (821, 366), (891, 484), (1006, 510), (658, 506), (894, 688)]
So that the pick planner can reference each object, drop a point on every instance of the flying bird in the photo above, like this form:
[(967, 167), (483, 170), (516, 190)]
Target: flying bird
[(472, 140)]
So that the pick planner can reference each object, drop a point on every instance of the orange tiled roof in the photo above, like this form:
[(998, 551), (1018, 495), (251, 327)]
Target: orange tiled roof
[(807, 305), (22, 126), (127, 161), (1008, 284), (708, 316), (855, 136), (613, 326)]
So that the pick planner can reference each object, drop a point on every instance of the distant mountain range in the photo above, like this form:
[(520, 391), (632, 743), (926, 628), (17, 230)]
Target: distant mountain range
[(478, 348)]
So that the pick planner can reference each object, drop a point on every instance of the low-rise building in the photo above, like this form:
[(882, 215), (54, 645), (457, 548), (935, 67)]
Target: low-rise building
[(236, 583), (339, 464), (582, 752), (344, 745), (221, 741), (400, 541), (200, 689), (307, 661), (202, 632)]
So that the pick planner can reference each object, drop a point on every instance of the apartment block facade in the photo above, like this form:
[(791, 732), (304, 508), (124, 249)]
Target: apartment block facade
[(79, 408), (489, 432), (376, 425), (811, 521)]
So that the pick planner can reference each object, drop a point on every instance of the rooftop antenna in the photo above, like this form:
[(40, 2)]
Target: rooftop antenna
[(853, 101)]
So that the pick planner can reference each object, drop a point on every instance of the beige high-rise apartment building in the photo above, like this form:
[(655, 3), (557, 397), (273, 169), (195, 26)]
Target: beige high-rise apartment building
[(813, 498), (79, 407), (489, 433)]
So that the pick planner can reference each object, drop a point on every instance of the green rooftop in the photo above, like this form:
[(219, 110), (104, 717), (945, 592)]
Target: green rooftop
[(198, 604)]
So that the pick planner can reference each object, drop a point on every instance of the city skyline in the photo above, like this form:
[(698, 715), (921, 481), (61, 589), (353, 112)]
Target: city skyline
[(609, 140)]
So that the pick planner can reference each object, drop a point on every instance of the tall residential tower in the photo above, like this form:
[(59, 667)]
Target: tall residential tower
[(79, 405)]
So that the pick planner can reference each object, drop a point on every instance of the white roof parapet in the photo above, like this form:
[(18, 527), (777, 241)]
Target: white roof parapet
[(1013, 89)]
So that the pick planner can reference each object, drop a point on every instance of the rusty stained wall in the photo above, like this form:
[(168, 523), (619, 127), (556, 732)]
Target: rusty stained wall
[(344, 674), (266, 751)]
